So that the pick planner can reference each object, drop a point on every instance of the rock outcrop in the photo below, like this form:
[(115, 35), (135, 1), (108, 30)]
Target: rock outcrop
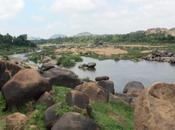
[(25, 86), (75, 121), (155, 108)]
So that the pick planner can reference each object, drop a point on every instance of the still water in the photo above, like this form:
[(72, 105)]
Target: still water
[(124, 71)]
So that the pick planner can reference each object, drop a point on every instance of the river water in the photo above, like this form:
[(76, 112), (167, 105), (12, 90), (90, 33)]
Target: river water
[(123, 71)]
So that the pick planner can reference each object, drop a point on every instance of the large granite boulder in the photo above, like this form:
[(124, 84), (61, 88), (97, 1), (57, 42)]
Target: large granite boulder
[(155, 108), (62, 77), (25, 86), (93, 91), (75, 121), (7, 71)]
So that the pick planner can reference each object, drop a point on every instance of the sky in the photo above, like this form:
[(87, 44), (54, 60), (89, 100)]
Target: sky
[(43, 18)]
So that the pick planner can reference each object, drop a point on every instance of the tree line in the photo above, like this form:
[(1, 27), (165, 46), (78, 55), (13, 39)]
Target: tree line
[(20, 40), (135, 37)]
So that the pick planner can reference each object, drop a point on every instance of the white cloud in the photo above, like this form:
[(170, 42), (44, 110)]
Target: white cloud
[(76, 5), (8, 8), (105, 16)]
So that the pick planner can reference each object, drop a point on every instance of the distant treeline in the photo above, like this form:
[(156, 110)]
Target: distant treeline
[(136, 37), (19, 41)]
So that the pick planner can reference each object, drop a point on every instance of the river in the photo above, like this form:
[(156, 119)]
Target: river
[(123, 71)]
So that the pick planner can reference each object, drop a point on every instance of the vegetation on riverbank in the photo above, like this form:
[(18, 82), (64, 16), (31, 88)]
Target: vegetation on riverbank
[(110, 116), (68, 60)]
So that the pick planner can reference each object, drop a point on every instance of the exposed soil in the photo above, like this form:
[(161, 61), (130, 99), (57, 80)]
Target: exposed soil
[(106, 51)]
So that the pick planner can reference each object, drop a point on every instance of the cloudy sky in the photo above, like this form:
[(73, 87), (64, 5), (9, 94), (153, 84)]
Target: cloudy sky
[(43, 18)]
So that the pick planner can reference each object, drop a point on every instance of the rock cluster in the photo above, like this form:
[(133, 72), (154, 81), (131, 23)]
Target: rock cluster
[(88, 66), (161, 56)]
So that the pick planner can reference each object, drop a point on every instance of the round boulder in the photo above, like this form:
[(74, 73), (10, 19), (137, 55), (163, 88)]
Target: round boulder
[(133, 88), (16, 121), (75, 121), (77, 98), (26, 85), (93, 91)]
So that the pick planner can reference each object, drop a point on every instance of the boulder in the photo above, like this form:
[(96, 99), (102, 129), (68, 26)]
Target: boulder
[(77, 98), (26, 85), (46, 99), (47, 66), (16, 121), (133, 88), (155, 108), (93, 91), (7, 71), (91, 65), (62, 77), (107, 85), (50, 116), (100, 78), (75, 121)]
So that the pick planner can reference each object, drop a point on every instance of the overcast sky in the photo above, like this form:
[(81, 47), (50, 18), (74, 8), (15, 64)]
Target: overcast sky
[(43, 18)]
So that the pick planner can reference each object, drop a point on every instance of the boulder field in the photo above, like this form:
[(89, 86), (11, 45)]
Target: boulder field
[(154, 107)]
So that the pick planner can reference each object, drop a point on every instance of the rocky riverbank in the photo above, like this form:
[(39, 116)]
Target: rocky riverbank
[(34, 99), (161, 56)]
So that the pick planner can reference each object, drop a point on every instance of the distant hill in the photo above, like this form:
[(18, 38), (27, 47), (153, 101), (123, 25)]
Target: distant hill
[(30, 38), (164, 31), (83, 34), (55, 36), (153, 35)]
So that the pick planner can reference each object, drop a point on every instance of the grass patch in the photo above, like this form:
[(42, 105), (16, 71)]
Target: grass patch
[(113, 115)]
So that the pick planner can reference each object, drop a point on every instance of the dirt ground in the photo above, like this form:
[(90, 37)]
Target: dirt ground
[(106, 51)]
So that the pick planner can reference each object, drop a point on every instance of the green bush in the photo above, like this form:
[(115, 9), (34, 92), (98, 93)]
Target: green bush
[(68, 60)]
